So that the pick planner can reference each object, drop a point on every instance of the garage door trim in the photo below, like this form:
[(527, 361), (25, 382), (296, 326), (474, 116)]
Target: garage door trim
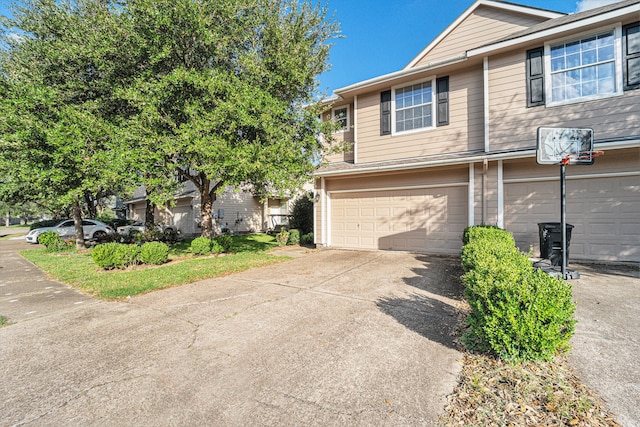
[(587, 176)]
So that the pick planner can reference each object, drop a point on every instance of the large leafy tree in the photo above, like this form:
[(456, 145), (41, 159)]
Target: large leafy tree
[(224, 92), (60, 66)]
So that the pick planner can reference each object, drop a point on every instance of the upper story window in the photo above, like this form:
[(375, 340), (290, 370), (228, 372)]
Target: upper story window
[(585, 68), (340, 116), (413, 107)]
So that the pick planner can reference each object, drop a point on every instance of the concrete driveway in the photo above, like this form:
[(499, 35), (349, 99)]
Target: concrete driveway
[(329, 338)]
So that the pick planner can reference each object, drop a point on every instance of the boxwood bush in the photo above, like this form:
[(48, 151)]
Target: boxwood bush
[(115, 255), (201, 246), (225, 241), (294, 237), (206, 246), (306, 239), (52, 241), (154, 253), (282, 237), (517, 312)]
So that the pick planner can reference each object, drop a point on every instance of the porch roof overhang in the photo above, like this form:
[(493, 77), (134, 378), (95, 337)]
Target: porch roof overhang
[(455, 159)]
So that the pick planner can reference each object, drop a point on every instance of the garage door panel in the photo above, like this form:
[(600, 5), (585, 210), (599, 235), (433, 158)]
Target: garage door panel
[(604, 212), (417, 219)]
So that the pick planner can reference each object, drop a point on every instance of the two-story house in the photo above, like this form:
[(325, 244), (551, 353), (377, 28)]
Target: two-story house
[(450, 140)]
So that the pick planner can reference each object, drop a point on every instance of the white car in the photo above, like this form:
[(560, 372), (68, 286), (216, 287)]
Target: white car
[(92, 229), (139, 227)]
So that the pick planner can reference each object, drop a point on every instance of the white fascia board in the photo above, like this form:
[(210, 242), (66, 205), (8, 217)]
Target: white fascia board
[(470, 10), (551, 32), (402, 73)]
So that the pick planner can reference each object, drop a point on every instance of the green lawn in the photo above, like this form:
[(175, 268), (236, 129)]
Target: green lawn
[(79, 270)]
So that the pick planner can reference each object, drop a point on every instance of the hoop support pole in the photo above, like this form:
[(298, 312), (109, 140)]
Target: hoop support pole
[(563, 218)]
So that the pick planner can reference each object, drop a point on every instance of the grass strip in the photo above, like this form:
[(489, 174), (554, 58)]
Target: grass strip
[(79, 270)]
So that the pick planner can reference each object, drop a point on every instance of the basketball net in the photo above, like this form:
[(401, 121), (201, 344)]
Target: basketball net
[(581, 156)]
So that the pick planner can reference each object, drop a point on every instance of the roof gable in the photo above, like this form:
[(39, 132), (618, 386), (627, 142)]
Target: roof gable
[(483, 22)]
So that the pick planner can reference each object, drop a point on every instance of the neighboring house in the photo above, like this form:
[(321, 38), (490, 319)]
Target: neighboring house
[(233, 211), (450, 140)]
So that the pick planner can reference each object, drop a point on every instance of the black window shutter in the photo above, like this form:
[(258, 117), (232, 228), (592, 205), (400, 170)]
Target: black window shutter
[(442, 97), (631, 60), (535, 77), (385, 112)]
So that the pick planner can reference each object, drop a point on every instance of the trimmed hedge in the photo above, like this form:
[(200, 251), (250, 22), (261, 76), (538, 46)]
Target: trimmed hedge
[(517, 312), (53, 242), (294, 237), (154, 253), (282, 237), (206, 246), (306, 239), (115, 255), (225, 241)]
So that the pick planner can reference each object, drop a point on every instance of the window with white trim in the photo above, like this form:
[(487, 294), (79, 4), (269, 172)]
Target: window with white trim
[(584, 68), (340, 116), (413, 107)]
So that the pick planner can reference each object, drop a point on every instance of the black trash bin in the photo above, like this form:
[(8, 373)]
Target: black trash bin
[(551, 241)]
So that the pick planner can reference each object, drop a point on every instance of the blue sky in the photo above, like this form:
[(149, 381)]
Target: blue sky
[(383, 36)]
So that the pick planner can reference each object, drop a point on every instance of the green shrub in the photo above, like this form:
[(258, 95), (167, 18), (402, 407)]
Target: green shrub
[(154, 253), (302, 214), (517, 312), (282, 237), (201, 246), (52, 241), (225, 242), (216, 248), (115, 255), (294, 237), (306, 239), (476, 231)]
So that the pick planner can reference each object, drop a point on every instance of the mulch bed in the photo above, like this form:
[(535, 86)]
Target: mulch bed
[(491, 392)]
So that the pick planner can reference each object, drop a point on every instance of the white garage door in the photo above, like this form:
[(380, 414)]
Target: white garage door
[(429, 220), (604, 211)]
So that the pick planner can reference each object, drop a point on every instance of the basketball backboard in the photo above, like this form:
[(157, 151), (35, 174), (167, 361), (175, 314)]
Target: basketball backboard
[(574, 146)]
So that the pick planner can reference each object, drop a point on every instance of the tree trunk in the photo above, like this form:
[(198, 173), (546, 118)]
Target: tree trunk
[(77, 221), (7, 219), (91, 205), (205, 209), (149, 219)]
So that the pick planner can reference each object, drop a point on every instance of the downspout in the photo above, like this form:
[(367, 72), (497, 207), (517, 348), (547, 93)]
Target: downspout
[(323, 216)]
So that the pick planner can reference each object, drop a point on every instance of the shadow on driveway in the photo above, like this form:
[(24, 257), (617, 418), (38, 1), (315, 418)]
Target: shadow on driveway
[(433, 310)]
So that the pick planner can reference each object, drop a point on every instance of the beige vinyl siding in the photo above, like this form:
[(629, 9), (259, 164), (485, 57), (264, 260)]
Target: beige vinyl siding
[(603, 201), (464, 133), (342, 137), (483, 26), (242, 211), (513, 125)]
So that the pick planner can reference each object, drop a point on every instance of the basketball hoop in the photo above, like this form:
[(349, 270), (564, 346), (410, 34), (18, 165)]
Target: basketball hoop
[(581, 157)]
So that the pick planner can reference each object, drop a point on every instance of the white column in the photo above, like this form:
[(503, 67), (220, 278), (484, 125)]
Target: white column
[(500, 196), (471, 193)]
